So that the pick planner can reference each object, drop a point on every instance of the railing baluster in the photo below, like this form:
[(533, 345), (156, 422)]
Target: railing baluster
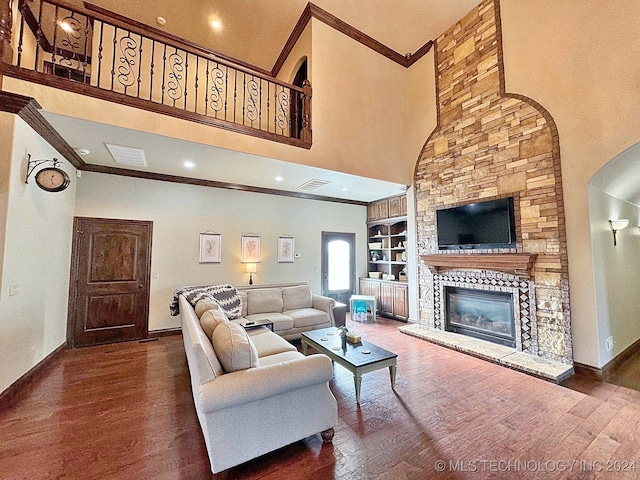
[(100, 48), (235, 94), (260, 106), (22, 20), (186, 77), (139, 67), (195, 99), (113, 57), (206, 90), (226, 90), (164, 68), (54, 46), (268, 99), (153, 59), (86, 44), (244, 96), (38, 37)]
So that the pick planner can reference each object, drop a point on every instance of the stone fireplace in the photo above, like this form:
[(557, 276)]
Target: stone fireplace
[(492, 144)]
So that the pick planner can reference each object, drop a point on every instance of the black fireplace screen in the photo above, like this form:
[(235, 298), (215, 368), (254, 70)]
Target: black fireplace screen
[(481, 313)]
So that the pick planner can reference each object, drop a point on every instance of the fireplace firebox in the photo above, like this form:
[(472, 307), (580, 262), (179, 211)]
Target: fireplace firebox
[(483, 314)]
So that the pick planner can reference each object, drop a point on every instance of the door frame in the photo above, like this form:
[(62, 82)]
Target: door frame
[(351, 238), (75, 262)]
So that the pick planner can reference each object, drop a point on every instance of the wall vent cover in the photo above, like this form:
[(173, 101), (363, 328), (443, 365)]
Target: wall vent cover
[(313, 185), (127, 155)]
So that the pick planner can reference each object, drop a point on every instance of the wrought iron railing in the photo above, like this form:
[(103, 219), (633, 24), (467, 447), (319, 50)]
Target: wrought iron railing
[(107, 56)]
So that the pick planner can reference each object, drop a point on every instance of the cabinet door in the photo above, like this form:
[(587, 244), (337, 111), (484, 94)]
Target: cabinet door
[(372, 211), (395, 207), (383, 209), (400, 302), (403, 205), (386, 299)]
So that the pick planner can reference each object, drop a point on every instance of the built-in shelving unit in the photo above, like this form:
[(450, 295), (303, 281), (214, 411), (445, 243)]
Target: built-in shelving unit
[(387, 248)]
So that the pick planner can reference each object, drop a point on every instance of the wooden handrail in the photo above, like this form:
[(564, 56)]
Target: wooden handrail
[(519, 264)]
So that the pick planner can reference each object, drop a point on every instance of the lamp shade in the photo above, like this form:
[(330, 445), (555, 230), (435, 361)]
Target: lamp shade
[(619, 224), (250, 267)]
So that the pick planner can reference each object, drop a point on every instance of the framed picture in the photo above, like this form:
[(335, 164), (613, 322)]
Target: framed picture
[(286, 249), (210, 248), (250, 249)]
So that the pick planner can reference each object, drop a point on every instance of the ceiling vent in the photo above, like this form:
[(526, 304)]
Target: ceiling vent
[(133, 157), (313, 185)]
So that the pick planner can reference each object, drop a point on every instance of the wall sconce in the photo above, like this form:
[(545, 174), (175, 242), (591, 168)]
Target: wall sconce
[(250, 268), (617, 225)]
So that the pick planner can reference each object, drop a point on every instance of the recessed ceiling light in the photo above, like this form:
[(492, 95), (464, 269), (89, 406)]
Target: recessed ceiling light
[(83, 151), (345, 189), (161, 21), (216, 24), (279, 178), (188, 164)]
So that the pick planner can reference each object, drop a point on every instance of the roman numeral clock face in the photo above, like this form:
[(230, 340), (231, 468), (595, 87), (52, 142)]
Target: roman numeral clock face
[(52, 179)]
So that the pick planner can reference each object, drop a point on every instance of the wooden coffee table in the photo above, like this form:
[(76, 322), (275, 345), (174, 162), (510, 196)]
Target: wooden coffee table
[(353, 358)]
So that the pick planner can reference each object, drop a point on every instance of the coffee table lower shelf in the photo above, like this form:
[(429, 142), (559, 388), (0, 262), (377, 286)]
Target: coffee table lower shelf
[(352, 358)]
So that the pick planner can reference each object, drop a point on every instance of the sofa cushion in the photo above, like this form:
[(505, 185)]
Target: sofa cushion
[(279, 358), (234, 348), (243, 301), (268, 343), (296, 297), (264, 300), (280, 320), (210, 320), (306, 317), (204, 305)]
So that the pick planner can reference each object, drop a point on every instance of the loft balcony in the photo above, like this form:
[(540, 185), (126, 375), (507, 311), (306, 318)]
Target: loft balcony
[(94, 52)]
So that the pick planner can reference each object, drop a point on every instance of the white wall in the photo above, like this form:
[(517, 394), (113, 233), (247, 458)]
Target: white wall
[(616, 272), (37, 254), (180, 212)]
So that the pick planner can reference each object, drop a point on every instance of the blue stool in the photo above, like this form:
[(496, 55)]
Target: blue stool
[(361, 304), (359, 308)]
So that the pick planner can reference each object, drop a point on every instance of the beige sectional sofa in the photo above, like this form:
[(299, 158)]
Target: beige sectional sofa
[(292, 308), (253, 391)]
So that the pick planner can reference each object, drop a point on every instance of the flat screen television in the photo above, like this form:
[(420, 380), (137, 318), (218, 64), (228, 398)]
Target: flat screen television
[(489, 224)]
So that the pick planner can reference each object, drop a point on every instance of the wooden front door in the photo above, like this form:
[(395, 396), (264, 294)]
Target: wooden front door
[(109, 287)]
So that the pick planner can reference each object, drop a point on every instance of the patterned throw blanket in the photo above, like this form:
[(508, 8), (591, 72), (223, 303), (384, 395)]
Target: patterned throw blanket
[(224, 295)]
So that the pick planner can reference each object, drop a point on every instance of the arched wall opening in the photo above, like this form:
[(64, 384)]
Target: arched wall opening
[(614, 193)]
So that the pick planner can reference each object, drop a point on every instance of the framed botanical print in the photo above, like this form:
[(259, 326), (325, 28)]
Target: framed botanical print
[(210, 248), (250, 249), (286, 249)]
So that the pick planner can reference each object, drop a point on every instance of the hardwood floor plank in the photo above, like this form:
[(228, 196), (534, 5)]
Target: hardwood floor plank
[(125, 411)]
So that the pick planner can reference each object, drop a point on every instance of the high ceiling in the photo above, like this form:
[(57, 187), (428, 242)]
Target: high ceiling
[(255, 31)]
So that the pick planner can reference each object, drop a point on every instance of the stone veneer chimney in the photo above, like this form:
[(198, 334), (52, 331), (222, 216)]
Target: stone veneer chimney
[(490, 144)]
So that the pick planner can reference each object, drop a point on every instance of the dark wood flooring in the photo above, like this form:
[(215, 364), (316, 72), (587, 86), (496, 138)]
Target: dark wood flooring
[(627, 374), (125, 411)]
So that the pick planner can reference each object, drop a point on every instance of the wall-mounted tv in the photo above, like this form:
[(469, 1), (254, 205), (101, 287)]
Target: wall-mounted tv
[(489, 224)]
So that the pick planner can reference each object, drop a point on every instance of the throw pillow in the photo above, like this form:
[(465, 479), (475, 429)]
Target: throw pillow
[(264, 300), (210, 320), (204, 305), (296, 297), (234, 348)]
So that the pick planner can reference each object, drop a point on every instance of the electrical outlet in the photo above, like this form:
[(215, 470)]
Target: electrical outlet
[(155, 275), (13, 289), (33, 352), (609, 344)]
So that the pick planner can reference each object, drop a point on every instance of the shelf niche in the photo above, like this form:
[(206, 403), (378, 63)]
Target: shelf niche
[(519, 264)]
